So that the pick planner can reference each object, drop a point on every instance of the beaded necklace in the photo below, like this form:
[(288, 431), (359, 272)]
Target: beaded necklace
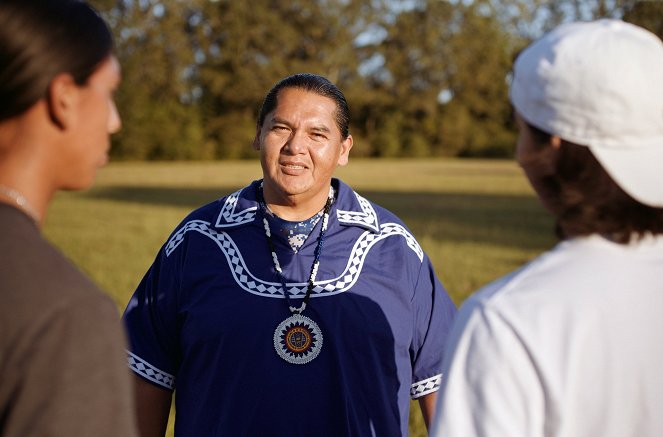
[(295, 232), (297, 339)]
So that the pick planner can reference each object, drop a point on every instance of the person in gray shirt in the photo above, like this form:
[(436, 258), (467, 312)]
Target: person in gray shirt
[(62, 359)]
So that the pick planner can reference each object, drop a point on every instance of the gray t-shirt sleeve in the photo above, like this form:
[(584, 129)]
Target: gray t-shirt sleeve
[(73, 377)]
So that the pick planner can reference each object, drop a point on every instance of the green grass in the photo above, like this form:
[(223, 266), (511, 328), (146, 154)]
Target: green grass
[(476, 219)]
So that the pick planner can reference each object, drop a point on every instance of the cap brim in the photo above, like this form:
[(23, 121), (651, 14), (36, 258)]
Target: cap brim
[(639, 172)]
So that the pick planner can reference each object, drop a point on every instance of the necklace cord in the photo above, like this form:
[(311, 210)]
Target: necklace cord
[(20, 201), (317, 252)]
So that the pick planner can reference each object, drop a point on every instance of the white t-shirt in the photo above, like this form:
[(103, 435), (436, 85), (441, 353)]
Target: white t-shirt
[(569, 345)]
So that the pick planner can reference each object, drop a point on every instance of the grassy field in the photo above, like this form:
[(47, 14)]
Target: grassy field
[(476, 219)]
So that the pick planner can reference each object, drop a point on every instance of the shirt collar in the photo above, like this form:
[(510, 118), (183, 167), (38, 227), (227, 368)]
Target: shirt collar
[(350, 209)]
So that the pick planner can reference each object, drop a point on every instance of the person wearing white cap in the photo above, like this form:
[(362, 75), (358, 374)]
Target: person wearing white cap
[(570, 344)]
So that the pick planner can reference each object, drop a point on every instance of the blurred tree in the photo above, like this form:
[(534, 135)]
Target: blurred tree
[(386, 141), (414, 73), (477, 119), (445, 70), (648, 14), (249, 46), (531, 18), (422, 77), (155, 98)]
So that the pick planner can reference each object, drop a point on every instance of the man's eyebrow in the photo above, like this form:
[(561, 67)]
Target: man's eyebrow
[(314, 128), (321, 128), (279, 121)]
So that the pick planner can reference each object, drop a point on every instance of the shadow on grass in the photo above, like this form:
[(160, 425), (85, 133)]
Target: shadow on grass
[(505, 220), (160, 196)]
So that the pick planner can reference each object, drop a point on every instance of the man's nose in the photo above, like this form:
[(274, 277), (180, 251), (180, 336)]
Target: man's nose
[(296, 143)]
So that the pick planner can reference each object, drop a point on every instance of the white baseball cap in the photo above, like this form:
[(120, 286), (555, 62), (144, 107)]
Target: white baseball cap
[(600, 84)]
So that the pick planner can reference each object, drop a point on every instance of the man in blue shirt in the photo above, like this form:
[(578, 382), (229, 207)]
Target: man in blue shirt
[(294, 306)]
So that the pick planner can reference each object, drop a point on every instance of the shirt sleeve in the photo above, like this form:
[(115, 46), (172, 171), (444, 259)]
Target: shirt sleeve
[(491, 387), (434, 312), (151, 322), (74, 381)]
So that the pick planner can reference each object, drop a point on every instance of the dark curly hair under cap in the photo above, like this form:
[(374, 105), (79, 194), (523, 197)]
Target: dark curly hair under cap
[(40, 39), (588, 201)]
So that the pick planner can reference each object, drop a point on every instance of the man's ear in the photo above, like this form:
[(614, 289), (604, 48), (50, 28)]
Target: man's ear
[(346, 145), (256, 139), (62, 99), (550, 155), (555, 142)]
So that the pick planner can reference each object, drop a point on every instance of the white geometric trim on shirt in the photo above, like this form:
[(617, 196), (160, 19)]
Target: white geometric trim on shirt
[(148, 371), (251, 283), (422, 388), (229, 217), (367, 216)]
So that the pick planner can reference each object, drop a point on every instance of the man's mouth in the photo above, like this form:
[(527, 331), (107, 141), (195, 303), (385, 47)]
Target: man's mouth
[(294, 166)]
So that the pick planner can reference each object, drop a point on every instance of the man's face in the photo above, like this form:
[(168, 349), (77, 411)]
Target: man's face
[(300, 146)]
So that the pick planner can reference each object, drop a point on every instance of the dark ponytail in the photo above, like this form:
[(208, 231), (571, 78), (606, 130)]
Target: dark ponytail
[(40, 39)]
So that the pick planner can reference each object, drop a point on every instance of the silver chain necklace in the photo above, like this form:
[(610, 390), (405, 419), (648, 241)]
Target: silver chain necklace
[(297, 339), (20, 201)]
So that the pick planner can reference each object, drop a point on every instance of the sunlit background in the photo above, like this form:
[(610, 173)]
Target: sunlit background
[(422, 77)]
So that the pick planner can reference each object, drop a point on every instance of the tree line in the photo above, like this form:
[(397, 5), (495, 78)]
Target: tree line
[(422, 77)]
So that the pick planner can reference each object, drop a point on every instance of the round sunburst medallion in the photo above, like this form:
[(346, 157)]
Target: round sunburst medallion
[(298, 339)]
